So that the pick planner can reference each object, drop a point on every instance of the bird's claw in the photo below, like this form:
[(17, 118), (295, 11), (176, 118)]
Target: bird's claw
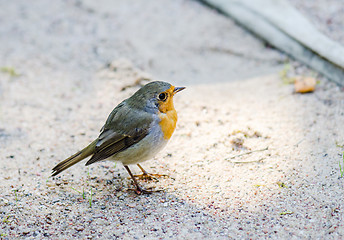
[(141, 191), (150, 176)]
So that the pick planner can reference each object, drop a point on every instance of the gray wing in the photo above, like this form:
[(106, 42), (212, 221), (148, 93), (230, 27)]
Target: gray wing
[(123, 128)]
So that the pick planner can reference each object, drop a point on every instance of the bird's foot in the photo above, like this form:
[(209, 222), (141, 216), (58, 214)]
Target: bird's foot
[(150, 176), (141, 191)]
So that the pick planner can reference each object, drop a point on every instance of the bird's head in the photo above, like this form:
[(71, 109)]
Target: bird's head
[(155, 96)]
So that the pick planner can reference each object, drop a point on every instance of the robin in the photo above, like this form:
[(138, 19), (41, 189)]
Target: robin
[(135, 131)]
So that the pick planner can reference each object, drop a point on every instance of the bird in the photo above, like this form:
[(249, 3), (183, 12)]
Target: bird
[(135, 131)]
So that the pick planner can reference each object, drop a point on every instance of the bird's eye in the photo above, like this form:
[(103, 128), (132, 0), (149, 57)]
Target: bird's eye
[(162, 96)]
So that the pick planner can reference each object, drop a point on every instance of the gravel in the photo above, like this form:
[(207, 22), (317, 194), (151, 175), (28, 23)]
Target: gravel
[(249, 159)]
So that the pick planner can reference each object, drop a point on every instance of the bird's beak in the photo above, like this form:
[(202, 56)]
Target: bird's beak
[(178, 89)]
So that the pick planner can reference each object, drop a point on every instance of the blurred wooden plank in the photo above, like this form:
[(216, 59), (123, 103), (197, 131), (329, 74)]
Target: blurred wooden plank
[(282, 26)]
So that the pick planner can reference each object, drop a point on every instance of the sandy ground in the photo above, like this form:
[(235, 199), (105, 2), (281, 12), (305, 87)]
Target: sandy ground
[(249, 158)]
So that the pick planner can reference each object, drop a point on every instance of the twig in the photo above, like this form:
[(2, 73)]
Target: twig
[(247, 153), (297, 144), (243, 55), (259, 160)]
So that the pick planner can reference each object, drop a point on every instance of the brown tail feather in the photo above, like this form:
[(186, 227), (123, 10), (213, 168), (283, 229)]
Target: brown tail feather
[(77, 157)]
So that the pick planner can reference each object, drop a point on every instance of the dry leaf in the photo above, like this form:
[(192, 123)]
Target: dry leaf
[(305, 84)]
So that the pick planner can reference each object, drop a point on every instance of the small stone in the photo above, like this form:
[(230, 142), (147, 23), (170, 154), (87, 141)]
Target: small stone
[(79, 228)]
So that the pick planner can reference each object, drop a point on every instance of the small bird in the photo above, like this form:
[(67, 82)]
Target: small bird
[(135, 131)]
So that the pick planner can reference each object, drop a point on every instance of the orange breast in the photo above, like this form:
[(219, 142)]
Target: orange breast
[(168, 123)]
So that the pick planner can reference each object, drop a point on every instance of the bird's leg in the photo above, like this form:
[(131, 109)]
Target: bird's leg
[(148, 176), (138, 189)]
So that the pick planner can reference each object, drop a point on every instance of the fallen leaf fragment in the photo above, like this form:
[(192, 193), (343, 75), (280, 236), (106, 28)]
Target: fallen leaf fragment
[(286, 213), (304, 84), (282, 185)]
